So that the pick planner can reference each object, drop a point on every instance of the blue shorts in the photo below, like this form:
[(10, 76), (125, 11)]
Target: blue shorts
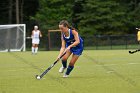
[(77, 51)]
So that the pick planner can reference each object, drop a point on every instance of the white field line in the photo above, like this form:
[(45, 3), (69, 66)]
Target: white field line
[(109, 71), (117, 64), (133, 63), (14, 70)]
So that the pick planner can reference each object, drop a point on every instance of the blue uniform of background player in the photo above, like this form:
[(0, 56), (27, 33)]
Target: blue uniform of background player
[(72, 43)]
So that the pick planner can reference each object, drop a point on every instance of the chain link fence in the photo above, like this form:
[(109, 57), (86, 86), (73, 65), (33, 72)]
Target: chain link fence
[(95, 42), (110, 42)]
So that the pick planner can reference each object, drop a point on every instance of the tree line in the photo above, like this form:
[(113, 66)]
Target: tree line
[(88, 16)]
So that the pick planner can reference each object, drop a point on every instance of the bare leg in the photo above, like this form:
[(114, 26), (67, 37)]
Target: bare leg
[(36, 48), (64, 61), (139, 44), (33, 48), (71, 64)]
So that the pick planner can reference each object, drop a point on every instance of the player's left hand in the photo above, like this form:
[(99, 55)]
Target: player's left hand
[(68, 48)]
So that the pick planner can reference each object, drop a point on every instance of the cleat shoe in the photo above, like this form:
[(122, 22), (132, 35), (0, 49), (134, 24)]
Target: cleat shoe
[(65, 76), (61, 70)]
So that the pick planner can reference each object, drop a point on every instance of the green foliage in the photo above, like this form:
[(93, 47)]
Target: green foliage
[(103, 16), (51, 12), (91, 16)]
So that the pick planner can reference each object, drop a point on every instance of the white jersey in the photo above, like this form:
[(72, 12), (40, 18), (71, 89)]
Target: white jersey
[(36, 34), (35, 37)]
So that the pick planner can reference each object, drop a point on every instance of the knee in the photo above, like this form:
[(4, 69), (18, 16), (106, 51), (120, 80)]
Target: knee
[(71, 64), (64, 59)]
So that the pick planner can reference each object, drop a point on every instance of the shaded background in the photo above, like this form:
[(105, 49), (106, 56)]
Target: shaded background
[(92, 18)]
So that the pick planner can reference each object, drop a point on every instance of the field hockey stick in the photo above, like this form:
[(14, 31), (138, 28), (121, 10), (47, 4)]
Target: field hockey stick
[(28, 37), (131, 52), (49, 68)]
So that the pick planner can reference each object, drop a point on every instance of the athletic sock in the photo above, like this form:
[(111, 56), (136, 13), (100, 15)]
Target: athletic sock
[(36, 49), (64, 63), (69, 69), (33, 49)]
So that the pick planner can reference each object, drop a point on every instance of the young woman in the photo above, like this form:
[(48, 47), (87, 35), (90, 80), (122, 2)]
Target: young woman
[(138, 36), (72, 44), (35, 39)]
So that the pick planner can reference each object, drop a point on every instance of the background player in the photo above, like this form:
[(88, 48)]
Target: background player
[(138, 36), (72, 44), (35, 39)]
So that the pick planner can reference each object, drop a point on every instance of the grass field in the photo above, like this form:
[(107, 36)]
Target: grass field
[(96, 71)]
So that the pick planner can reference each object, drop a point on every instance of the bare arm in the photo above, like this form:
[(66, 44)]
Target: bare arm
[(40, 34), (32, 34), (76, 37)]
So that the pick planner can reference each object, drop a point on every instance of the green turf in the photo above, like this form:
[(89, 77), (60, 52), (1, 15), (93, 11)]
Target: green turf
[(96, 71)]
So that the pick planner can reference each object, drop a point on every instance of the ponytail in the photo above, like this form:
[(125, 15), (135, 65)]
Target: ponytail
[(66, 24)]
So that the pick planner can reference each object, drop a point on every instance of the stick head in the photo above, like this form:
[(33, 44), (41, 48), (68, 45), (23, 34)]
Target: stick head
[(38, 77), (130, 52), (138, 29)]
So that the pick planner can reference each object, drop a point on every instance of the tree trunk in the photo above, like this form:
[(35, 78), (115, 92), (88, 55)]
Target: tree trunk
[(21, 12), (17, 11), (10, 11)]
